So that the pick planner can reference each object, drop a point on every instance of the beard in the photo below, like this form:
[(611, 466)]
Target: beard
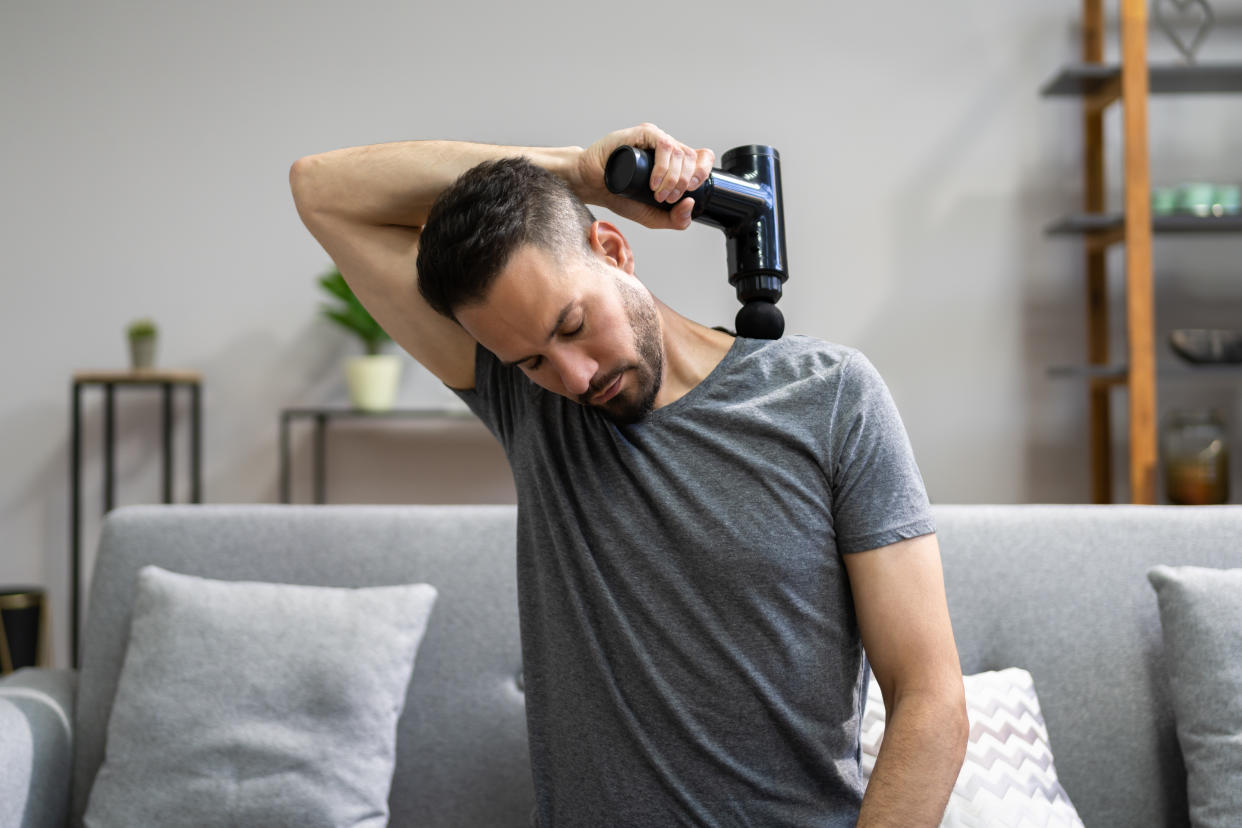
[(634, 403)]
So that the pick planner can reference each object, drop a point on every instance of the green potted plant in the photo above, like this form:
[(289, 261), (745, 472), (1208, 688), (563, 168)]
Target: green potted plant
[(142, 335), (373, 377)]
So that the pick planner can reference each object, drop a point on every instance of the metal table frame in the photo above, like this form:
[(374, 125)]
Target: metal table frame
[(321, 416), (110, 381)]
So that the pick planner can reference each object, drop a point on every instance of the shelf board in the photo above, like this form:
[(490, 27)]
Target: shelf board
[(346, 411), (1119, 372), (1087, 79), (1087, 223)]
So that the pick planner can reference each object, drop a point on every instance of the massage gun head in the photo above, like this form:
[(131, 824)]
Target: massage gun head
[(760, 319), (743, 198)]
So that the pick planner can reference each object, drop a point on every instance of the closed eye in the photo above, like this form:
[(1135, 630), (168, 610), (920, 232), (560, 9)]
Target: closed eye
[(535, 362)]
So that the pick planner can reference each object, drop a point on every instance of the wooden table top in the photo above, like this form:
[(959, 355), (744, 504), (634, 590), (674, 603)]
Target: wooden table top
[(141, 377)]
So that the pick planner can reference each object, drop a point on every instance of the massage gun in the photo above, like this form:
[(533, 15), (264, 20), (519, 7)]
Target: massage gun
[(742, 198)]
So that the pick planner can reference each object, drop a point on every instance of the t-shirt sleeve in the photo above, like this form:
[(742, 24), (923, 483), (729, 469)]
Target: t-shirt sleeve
[(878, 494), (500, 397)]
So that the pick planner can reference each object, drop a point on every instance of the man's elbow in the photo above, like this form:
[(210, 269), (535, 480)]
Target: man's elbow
[(959, 722), (939, 712), (947, 708), (316, 194), (302, 175)]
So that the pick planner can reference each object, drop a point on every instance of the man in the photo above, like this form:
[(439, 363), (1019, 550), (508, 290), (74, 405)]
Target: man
[(710, 528)]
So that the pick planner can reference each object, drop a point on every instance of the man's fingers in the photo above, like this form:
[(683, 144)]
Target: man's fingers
[(705, 159), (672, 187), (696, 166), (667, 167), (677, 168)]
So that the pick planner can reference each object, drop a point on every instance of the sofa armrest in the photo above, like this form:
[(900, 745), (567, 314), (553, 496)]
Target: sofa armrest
[(36, 747)]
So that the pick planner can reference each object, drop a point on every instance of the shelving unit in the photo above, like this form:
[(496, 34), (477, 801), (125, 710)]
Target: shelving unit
[(1099, 85)]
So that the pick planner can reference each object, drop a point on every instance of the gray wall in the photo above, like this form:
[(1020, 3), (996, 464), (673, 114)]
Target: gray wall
[(145, 152)]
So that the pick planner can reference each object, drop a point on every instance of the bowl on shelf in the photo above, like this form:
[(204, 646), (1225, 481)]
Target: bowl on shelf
[(1206, 345)]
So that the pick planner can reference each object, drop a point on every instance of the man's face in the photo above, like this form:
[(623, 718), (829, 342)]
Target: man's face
[(577, 327)]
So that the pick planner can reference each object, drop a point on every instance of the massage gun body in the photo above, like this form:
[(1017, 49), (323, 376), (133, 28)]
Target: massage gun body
[(742, 198)]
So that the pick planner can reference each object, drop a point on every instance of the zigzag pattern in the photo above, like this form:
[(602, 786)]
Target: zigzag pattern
[(1008, 779)]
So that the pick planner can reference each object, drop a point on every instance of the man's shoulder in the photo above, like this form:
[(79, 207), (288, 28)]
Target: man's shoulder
[(803, 354)]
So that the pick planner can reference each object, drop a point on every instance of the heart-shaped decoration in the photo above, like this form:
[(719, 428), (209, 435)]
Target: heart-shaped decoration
[(1193, 17)]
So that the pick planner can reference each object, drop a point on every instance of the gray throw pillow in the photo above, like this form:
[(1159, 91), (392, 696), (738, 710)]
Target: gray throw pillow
[(243, 703), (1201, 614)]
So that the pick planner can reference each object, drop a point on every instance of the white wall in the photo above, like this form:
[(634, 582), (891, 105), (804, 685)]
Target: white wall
[(145, 151)]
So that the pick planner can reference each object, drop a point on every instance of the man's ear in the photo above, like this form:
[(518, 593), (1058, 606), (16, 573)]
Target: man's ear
[(608, 242)]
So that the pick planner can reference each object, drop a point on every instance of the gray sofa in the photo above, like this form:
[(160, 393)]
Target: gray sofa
[(1058, 590)]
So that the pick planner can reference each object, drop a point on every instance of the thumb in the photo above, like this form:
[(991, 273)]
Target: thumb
[(679, 216), (644, 214)]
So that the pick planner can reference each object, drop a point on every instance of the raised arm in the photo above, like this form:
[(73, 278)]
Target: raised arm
[(367, 205)]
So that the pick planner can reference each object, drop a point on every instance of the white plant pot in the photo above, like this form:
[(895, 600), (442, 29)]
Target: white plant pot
[(372, 381), (142, 353)]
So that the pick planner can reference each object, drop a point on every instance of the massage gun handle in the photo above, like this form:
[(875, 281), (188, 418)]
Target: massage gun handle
[(628, 173)]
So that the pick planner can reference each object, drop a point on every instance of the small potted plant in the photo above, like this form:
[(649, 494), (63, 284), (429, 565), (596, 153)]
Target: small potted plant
[(142, 335), (372, 378)]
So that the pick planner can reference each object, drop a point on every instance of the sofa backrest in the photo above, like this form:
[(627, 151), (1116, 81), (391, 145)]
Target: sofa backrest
[(461, 750), (1058, 590), (1062, 592)]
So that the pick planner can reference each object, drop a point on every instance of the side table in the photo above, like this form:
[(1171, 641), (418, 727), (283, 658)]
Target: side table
[(322, 416), (110, 382)]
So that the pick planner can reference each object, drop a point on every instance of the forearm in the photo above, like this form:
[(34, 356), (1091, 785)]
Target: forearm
[(924, 744), (396, 183)]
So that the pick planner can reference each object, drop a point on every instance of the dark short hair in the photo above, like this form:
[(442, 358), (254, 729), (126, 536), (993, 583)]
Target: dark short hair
[(489, 213)]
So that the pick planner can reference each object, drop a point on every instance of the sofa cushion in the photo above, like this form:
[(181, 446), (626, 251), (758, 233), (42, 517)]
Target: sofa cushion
[(247, 703), (1008, 777), (1201, 615)]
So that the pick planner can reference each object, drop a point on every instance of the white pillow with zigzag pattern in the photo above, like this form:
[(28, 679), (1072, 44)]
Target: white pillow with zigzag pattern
[(1008, 779)]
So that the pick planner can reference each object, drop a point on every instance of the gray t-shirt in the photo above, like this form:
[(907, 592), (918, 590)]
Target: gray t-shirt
[(690, 647)]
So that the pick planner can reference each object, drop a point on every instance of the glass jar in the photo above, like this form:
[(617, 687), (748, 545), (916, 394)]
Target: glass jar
[(1196, 458)]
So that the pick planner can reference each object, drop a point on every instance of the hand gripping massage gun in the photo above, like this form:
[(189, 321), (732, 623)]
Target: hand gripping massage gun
[(742, 198)]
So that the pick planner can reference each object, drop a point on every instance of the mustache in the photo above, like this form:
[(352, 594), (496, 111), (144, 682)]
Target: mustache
[(600, 385)]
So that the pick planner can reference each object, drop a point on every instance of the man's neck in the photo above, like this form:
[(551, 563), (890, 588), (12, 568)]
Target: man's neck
[(691, 352)]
